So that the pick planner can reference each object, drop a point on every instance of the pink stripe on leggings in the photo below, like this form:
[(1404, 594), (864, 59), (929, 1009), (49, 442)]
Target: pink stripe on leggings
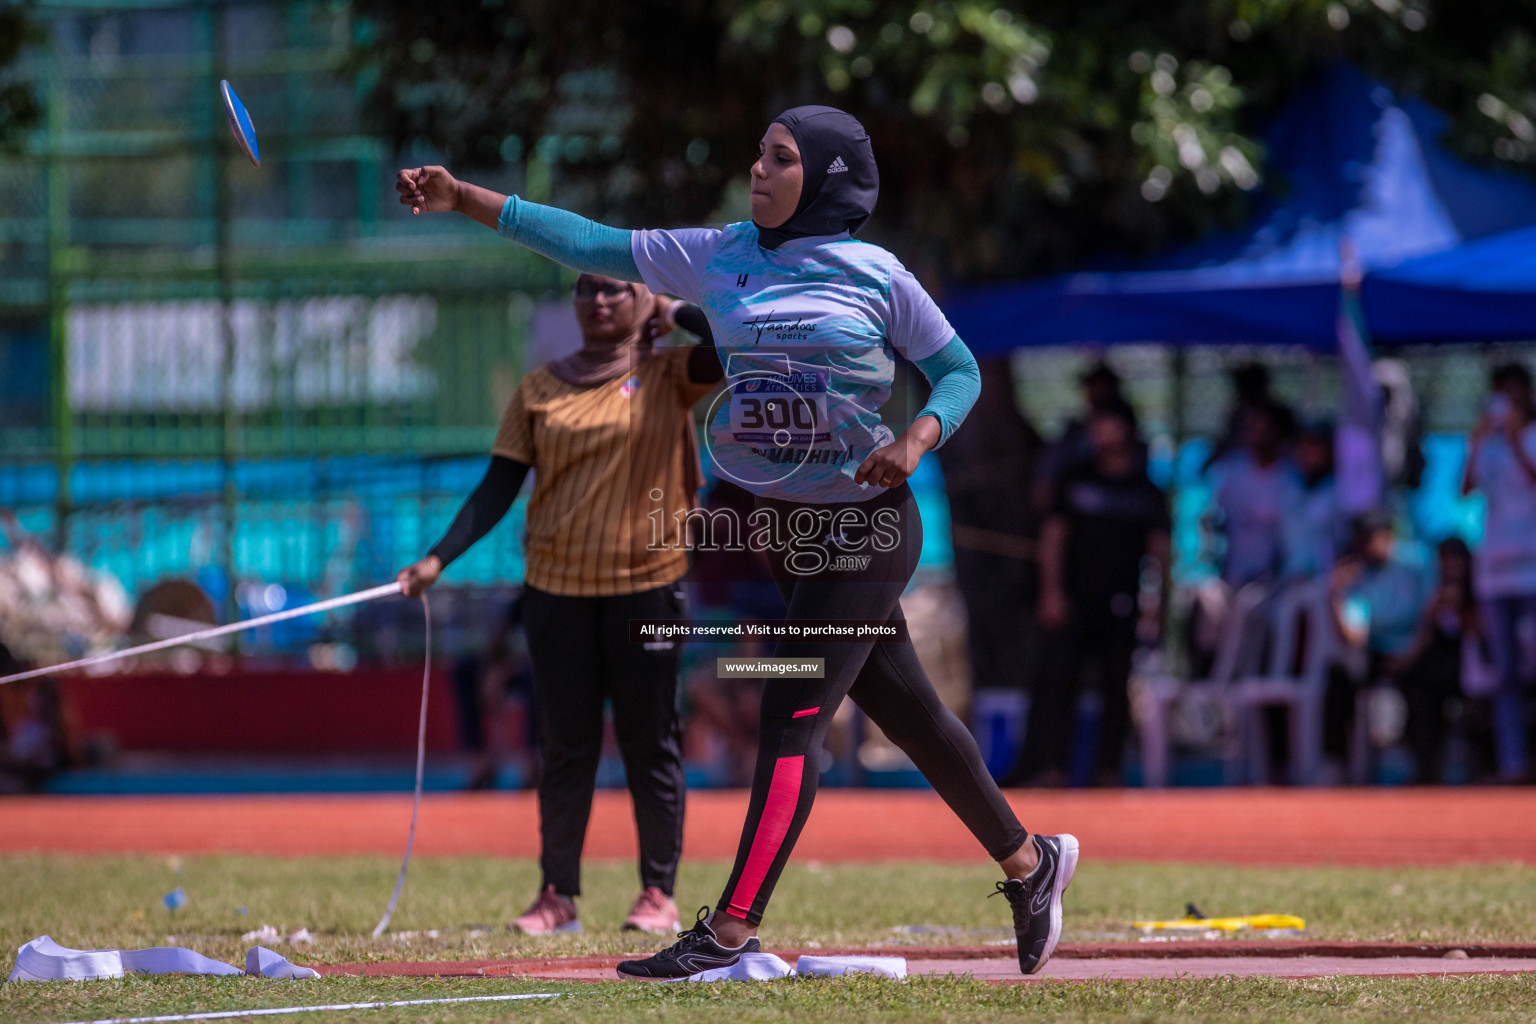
[(783, 798), (805, 712)]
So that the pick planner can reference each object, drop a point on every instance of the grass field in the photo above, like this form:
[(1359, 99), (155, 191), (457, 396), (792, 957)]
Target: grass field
[(89, 902), (952, 1001)]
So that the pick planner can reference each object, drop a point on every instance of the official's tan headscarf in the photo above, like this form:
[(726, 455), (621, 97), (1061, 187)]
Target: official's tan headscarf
[(598, 362)]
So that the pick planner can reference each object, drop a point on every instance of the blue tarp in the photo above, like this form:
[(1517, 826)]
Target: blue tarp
[(1180, 308), (1347, 160), (1481, 291)]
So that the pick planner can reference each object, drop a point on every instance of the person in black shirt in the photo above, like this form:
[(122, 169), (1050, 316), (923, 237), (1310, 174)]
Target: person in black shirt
[(1073, 451), (1107, 517)]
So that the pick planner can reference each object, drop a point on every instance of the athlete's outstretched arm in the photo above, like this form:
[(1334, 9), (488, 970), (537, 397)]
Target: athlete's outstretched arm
[(564, 237), (483, 509), (569, 239), (956, 381)]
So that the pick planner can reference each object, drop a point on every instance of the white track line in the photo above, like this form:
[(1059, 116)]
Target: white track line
[(208, 634), (273, 1011)]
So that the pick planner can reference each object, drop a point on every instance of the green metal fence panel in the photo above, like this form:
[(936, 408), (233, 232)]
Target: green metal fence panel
[(243, 375)]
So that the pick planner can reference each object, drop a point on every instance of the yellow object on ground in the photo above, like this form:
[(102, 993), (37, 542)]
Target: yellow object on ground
[(1252, 922)]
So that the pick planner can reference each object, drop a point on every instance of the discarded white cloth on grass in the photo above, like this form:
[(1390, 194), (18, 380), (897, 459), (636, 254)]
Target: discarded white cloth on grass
[(263, 963), (42, 959), (751, 967), (835, 966), (766, 967)]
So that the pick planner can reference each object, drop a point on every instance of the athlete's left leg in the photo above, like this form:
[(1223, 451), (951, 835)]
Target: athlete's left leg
[(896, 694), (797, 712), (795, 716)]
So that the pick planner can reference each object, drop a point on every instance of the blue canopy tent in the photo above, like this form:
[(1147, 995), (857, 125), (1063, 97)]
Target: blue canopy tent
[(1350, 162), (1481, 291)]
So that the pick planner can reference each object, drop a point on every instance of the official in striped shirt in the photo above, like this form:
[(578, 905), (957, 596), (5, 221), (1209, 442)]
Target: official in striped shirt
[(610, 437)]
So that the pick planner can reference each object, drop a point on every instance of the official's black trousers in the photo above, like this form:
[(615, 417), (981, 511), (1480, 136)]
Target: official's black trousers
[(581, 655), (884, 679), (1094, 633)]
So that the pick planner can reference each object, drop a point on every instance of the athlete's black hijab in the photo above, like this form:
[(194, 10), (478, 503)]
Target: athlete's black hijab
[(832, 199)]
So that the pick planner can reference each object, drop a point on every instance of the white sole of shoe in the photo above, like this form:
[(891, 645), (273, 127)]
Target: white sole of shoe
[(1065, 869)]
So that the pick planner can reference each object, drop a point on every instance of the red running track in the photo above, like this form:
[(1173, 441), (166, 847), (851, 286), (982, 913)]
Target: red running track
[(1239, 826), (1005, 970)]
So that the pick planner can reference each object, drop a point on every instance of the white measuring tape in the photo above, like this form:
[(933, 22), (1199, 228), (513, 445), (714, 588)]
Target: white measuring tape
[(274, 1010), (372, 593), (387, 590)]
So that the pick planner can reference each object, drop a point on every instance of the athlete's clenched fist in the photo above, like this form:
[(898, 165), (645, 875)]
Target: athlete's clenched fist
[(891, 465)]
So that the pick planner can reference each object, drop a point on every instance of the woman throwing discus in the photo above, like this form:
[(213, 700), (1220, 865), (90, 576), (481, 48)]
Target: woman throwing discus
[(807, 323)]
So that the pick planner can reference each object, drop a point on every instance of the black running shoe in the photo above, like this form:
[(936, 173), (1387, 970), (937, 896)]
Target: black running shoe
[(1036, 900), (694, 951)]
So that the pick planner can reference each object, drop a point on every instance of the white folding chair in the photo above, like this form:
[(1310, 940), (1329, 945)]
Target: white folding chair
[(1160, 694), (1294, 678)]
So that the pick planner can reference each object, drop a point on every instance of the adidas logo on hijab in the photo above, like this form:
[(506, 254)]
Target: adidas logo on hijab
[(835, 200)]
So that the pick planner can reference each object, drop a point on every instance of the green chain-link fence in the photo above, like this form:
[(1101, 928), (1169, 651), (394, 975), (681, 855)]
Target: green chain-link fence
[(274, 373)]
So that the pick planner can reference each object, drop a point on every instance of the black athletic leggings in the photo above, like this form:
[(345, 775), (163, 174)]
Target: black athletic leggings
[(884, 679), (581, 655)]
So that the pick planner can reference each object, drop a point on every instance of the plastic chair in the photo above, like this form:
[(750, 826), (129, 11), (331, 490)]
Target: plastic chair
[(1295, 678), (1161, 693)]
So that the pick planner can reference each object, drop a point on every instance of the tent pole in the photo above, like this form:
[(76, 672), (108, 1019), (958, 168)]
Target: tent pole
[(1314, 385), (1176, 399)]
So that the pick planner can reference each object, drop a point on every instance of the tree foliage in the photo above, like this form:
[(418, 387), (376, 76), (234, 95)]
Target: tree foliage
[(1012, 138), (19, 109)]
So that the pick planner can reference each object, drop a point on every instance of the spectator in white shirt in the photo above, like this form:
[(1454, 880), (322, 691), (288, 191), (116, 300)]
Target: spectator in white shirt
[(1501, 463), (1259, 486)]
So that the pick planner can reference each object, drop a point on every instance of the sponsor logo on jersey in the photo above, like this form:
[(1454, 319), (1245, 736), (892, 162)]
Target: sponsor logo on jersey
[(782, 328)]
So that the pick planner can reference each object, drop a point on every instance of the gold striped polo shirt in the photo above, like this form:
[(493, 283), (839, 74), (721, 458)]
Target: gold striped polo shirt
[(599, 454)]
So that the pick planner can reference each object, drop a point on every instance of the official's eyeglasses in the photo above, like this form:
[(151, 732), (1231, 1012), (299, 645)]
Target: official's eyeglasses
[(586, 291)]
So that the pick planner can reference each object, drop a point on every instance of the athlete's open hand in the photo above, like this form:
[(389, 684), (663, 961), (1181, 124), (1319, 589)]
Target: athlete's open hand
[(891, 465), (427, 189), (415, 578)]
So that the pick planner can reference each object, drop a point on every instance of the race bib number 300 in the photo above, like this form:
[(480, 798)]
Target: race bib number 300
[(780, 409)]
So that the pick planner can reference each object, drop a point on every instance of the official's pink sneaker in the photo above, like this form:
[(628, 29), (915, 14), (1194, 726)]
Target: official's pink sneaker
[(550, 913), (653, 912)]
